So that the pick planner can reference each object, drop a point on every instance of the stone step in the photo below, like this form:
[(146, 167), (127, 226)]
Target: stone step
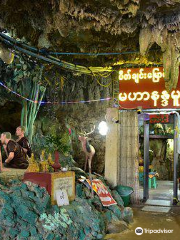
[(155, 202), (156, 209)]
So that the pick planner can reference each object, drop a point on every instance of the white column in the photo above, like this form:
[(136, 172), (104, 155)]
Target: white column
[(128, 172), (112, 147)]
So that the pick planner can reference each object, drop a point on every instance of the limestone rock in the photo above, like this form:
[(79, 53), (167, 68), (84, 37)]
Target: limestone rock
[(117, 227), (127, 215), (26, 213), (118, 198)]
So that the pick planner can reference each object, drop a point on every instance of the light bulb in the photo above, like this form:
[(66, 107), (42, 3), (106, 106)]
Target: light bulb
[(103, 128)]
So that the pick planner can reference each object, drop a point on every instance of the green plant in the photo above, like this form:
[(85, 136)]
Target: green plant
[(60, 143)]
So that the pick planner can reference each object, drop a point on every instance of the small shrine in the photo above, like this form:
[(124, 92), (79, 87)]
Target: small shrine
[(39, 174)]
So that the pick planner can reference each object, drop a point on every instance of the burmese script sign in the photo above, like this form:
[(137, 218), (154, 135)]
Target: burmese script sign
[(145, 87), (64, 183), (62, 197), (159, 118)]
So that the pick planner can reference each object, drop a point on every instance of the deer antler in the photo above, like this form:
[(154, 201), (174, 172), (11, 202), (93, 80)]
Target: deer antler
[(82, 133), (92, 130)]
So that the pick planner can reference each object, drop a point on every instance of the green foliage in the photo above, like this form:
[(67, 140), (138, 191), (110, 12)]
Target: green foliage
[(39, 142), (26, 78), (58, 139), (59, 143)]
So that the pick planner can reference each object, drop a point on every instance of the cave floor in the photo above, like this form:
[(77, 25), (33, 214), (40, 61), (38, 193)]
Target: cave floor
[(149, 220), (164, 191), (154, 220)]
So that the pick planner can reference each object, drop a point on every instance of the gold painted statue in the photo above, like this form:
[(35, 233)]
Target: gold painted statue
[(50, 161), (33, 165), (43, 163), (42, 157)]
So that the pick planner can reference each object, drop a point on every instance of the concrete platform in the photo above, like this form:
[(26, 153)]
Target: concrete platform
[(156, 209)]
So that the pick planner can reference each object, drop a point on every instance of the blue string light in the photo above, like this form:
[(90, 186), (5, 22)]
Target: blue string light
[(93, 54), (54, 103)]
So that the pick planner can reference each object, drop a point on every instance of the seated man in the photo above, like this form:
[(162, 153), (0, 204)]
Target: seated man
[(22, 140), (16, 158)]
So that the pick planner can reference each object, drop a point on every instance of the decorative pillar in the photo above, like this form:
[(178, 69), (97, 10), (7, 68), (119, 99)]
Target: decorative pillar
[(122, 148), (128, 165), (112, 147)]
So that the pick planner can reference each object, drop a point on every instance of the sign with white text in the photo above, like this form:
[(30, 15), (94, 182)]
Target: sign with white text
[(145, 87), (61, 197), (64, 183)]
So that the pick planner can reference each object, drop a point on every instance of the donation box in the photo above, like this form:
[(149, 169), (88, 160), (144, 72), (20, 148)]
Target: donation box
[(54, 181)]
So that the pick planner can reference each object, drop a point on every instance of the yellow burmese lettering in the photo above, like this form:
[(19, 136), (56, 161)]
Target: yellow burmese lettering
[(175, 96), (122, 97), (147, 96), (140, 98), (135, 77), (141, 75), (121, 75), (129, 74), (155, 97), (156, 75), (132, 98), (165, 98)]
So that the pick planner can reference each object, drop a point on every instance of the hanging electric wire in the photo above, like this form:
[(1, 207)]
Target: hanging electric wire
[(47, 56), (34, 52)]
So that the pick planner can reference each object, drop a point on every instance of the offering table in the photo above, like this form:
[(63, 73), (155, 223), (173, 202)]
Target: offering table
[(53, 181)]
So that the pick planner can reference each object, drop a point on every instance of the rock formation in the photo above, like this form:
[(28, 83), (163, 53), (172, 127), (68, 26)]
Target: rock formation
[(100, 26)]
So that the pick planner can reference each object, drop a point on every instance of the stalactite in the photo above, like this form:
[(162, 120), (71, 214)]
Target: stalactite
[(82, 26), (170, 46)]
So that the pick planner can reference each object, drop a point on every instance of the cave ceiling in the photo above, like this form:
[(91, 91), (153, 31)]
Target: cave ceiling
[(94, 26)]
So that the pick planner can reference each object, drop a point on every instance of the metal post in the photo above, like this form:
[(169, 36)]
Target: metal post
[(146, 161), (175, 183)]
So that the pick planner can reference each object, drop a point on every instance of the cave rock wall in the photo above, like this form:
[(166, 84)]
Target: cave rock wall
[(80, 117)]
